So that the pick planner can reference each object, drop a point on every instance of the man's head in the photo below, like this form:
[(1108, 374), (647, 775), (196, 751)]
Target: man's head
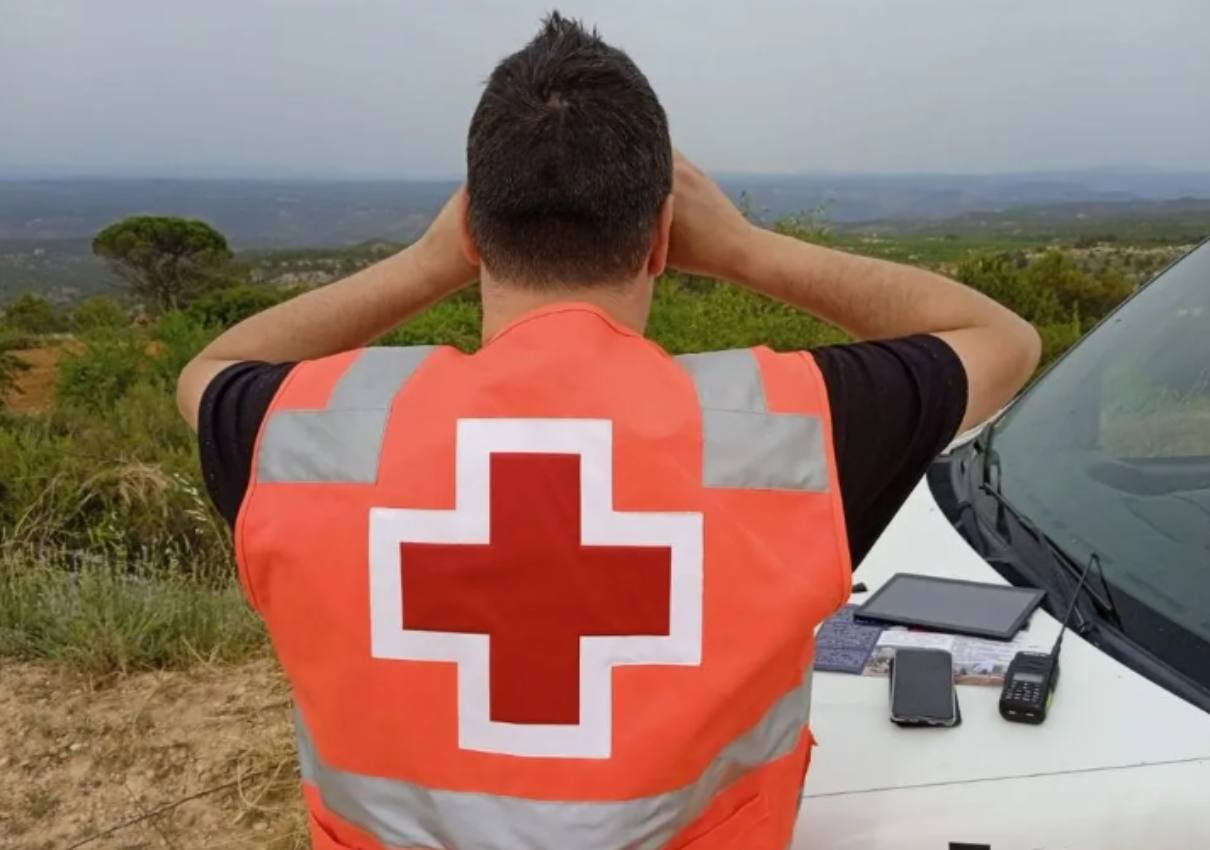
[(569, 165)]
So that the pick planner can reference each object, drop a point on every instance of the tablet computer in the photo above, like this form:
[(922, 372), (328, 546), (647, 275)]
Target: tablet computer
[(949, 605)]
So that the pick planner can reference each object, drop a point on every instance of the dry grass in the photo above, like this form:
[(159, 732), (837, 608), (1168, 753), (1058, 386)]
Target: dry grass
[(105, 615)]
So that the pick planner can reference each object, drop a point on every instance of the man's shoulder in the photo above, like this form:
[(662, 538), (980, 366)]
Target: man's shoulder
[(895, 404), (922, 357), (233, 407)]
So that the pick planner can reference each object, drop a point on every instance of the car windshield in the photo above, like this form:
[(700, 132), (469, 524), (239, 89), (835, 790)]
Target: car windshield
[(1110, 453)]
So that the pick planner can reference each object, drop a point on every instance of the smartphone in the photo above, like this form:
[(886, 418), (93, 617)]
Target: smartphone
[(922, 688)]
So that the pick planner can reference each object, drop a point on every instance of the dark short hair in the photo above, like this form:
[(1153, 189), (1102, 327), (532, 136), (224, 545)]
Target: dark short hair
[(568, 162)]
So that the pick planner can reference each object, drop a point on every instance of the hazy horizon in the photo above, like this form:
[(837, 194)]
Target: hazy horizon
[(371, 89), (267, 175)]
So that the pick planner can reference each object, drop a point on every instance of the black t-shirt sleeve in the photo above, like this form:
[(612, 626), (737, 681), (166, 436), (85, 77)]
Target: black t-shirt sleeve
[(233, 406), (895, 405)]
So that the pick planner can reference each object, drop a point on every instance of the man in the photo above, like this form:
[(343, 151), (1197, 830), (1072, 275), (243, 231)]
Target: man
[(561, 593)]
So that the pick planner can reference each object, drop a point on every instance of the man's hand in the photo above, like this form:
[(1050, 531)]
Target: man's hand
[(343, 315), (871, 299), (710, 236), (440, 248)]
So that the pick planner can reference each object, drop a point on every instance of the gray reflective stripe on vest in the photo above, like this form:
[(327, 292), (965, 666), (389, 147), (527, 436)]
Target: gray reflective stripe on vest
[(727, 380), (404, 814), (743, 444), (343, 441)]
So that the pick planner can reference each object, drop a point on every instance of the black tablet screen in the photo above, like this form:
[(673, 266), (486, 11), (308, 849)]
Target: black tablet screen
[(966, 607)]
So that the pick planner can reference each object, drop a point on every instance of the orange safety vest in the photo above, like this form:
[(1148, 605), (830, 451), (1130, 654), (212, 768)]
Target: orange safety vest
[(559, 594)]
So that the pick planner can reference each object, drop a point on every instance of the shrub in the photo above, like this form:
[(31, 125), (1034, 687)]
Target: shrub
[(226, 307), (1047, 289), (690, 314), (178, 337), (99, 311), (810, 227), (127, 481), (1055, 272), (108, 363), (1058, 337), (1000, 277), (456, 321), (111, 361), (104, 618), (33, 314)]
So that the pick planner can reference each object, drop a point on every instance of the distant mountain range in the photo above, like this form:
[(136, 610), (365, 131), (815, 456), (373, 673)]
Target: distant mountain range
[(46, 224), (252, 213), (1180, 220), (297, 213), (853, 198)]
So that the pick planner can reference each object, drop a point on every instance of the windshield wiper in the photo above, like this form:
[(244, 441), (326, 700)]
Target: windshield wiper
[(1103, 601), (990, 458)]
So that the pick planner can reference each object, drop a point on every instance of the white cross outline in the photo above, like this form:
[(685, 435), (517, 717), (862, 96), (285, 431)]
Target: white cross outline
[(469, 523)]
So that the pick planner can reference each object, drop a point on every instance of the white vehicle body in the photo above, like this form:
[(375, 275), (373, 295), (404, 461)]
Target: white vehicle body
[(1119, 763)]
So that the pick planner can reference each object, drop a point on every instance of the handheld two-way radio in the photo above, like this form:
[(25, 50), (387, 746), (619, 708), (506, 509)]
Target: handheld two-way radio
[(1029, 683)]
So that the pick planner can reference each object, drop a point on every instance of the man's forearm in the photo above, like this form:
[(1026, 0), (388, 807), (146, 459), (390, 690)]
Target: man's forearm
[(871, 299), (868, 298), (333, 318), (337, 317), (875, 299)]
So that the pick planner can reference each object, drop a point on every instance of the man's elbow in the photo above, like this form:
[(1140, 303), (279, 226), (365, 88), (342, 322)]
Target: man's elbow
[(1000, 357), (1023, 348), (190, 385)]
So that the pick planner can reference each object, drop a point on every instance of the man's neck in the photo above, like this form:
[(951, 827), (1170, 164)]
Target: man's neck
[(503, 304)]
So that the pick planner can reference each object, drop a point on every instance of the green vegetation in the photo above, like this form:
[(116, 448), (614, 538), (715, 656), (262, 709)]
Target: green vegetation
[(120, 615), (99, 311), (112, 558), (110, 555), (165, 261), (1051, 290), (691, 314), (33, 314), (226, 307)]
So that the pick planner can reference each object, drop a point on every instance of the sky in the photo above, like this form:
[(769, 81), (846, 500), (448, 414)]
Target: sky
[(347, 88)]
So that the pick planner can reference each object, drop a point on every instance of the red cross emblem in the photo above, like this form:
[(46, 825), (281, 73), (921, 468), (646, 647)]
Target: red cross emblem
[(535, 587)]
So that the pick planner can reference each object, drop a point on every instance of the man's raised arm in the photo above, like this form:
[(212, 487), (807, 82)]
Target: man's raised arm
[(343, 315), (868, 298)]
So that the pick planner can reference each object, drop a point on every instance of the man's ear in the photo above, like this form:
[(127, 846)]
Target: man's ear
[(657, 260), (469, 249)]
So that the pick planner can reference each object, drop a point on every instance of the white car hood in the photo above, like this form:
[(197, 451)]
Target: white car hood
[(1104, 715)]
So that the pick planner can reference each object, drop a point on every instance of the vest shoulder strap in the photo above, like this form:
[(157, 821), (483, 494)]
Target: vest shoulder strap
[(746, 443), (342, 441)]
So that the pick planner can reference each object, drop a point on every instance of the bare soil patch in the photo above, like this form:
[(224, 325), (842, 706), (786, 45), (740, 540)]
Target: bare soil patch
[(35, 387), (79, 757)]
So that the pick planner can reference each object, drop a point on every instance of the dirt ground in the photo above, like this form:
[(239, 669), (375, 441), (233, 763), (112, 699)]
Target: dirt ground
[(79, 758), (35, 387)]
